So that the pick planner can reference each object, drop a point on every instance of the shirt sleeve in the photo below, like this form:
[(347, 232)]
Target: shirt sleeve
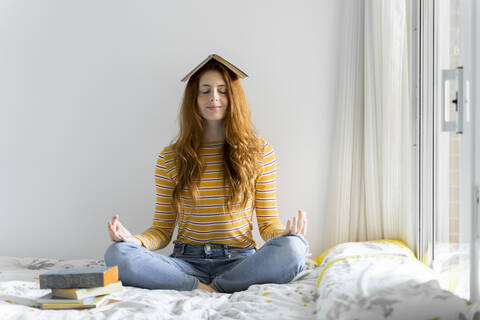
[(266, 209), (160, 233)]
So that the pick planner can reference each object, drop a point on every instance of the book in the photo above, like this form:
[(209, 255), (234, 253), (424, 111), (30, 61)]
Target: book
[(78, 278), (50, 298), (77, 293), (223, 61), (88, 303)]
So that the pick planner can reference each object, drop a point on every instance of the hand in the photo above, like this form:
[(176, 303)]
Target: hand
[(119, 233), (298, 226)]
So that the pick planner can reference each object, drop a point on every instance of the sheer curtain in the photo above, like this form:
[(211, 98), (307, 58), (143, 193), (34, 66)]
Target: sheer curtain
[(371, 177)]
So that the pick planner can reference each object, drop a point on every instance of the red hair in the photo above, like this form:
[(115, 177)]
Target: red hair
[(241, 148)]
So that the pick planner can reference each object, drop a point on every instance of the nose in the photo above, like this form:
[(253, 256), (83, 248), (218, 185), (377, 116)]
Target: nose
[(215, 95)]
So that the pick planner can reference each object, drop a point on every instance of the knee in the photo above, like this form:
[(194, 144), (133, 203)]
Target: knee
[(295, 249), (117, 254)]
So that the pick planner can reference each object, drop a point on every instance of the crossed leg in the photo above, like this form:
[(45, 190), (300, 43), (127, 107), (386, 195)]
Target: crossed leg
[(278, 261), (139, 267)]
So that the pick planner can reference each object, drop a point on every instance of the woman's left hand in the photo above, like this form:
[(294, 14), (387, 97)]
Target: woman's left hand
[(298, 226)]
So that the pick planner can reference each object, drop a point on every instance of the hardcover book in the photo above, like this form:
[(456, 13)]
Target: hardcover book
[(75, 293), (50, 298), (87, 303), (78, 278), (223, 61)]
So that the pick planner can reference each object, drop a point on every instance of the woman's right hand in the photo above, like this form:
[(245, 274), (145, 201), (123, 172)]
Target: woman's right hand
[(119, 233)]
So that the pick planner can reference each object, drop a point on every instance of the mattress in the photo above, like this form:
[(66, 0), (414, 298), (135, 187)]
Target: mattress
[(19, 287), (362, 280)]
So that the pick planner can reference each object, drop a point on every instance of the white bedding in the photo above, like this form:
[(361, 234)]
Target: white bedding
[(383, 281), (355, 281), (19, 284)]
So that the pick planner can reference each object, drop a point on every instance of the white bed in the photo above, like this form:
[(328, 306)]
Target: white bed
[(353, 281), (19, 284)]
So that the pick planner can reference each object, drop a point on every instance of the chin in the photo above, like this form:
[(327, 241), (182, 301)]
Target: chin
[(214, 118)]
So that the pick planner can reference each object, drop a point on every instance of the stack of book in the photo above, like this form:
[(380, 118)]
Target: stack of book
[(78, 288)]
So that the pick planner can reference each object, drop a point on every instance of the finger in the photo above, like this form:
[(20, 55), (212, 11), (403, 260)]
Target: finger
[(110, 227), (287, 227), (294, 226), (301, 222), (121, 230), (304, 229), (113, 226), (300, 214), (116, 230), (305, 223), (112, 233), (303, 217)]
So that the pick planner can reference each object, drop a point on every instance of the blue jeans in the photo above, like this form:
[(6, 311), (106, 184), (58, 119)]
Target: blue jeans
[(228, 268)]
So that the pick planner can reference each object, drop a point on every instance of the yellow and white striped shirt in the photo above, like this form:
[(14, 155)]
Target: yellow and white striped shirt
[(207, 221)]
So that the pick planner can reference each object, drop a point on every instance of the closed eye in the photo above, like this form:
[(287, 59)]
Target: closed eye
[(205, 92)]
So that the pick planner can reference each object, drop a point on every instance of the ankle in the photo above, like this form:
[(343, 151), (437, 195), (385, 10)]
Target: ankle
[(205, 287)]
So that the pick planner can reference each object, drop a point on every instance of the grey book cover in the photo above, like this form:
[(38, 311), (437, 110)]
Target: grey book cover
[(73, 278)]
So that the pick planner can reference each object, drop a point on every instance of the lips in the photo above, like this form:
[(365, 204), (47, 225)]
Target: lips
[(214, 107)]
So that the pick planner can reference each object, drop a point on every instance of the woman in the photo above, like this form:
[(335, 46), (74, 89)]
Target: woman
[(208, 182)]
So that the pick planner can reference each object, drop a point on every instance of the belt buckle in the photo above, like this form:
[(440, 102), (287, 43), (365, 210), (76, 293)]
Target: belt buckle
[(207, 248)]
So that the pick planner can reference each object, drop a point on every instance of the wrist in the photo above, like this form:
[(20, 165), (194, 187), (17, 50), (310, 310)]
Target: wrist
[(135, 240)]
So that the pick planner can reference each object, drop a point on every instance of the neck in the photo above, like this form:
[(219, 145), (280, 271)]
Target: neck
[(214, 131)]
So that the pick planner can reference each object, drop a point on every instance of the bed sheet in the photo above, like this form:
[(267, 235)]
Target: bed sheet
[(354, 281), (19, 287), (383, 281)]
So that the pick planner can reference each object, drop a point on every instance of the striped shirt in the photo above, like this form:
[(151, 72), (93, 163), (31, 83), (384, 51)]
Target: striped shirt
[(207, 221)]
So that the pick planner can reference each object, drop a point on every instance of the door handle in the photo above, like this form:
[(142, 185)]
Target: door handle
[(457, 124)]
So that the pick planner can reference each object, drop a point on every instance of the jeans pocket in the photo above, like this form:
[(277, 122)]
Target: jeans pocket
[(177, 251), (236, 253)]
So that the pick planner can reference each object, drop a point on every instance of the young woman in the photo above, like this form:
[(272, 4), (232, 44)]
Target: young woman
[(208, 182)]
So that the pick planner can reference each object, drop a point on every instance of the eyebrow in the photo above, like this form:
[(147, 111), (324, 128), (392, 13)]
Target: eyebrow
[(207, 85)]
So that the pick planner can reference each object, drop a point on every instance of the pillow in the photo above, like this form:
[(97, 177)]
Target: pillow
[(381, 280), (392, 247)]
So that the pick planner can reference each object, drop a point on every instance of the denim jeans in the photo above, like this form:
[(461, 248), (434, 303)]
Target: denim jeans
[(228, 268)]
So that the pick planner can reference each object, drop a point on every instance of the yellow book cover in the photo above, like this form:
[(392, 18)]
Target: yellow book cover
[(95, 302), (81, 293)]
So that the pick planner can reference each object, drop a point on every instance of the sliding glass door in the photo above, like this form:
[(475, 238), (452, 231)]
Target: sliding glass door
[(453, 147)]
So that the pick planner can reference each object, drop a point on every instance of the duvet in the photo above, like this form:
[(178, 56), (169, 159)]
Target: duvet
[(19, 287), (364, 280)]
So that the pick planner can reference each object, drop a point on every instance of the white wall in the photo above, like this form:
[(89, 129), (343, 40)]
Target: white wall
[(89, 94)]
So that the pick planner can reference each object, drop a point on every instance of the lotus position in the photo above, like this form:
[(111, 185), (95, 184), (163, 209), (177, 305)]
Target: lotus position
[(209, 182)]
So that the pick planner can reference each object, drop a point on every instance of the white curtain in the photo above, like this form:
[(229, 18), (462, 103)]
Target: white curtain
[(371, 177)]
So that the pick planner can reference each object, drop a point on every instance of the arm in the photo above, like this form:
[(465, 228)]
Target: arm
[(266, 210), (160, 233)]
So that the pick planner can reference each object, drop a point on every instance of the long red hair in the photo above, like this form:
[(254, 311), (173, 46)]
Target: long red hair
[(241, 149)]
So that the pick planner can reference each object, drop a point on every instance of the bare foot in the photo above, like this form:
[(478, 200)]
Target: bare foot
[(205, 287)]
